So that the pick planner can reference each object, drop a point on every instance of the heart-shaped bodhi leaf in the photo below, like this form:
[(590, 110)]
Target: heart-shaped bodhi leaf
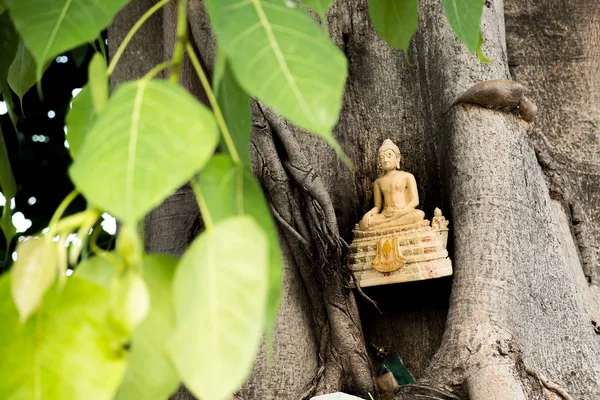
[(151, 138), (220, 291), (33, 273), (22, 72), (281, 56), (395, 21), (150, 375), (51, 27), (80, 119), (230, 190), (464, 17), (64, 351)]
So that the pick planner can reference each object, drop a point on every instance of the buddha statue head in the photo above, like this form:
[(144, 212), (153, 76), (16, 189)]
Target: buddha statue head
[(389, 156)]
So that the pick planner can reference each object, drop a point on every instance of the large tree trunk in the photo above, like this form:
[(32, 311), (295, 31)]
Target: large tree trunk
[(519, 295), (525, 296), (554, 49)]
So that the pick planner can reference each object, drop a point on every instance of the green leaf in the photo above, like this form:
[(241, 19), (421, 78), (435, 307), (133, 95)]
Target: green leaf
[(130, 302), (319, 6), (79, 54), (151, 138), (7, 179), (64, 351), (100, 269), (464, 17), (281, 56), (33, 274), (9, 40), (130, 299), (234, 103), (80, 120), (219, 293), (395, 21), (8, 229), (150, 374), (22, 72), (229, 190), (2, 6), (10, 104), (98, 82), (9, 191), (51, 27)]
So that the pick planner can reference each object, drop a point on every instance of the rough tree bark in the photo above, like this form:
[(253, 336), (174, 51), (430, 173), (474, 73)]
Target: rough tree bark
[(521, 313)]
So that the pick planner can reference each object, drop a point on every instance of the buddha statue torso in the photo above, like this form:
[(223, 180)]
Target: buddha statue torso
[(392, 189)]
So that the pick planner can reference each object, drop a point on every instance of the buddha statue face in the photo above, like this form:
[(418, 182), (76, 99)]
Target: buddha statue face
[(389, 156)]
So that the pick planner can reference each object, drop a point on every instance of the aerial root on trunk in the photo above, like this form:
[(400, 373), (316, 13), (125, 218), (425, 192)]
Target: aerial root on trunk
[(364, 296), (547, 383), (304, 212)]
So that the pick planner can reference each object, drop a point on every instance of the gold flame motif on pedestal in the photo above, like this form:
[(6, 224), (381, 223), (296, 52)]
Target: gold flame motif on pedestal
[(388, 257)]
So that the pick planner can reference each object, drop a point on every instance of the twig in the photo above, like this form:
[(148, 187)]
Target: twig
[(364, 296), (548, 384)]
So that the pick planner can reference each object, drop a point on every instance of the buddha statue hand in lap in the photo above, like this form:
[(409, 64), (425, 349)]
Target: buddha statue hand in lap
[(395, 194)]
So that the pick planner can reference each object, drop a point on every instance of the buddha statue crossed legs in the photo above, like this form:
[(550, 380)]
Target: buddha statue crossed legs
[(395, 194)]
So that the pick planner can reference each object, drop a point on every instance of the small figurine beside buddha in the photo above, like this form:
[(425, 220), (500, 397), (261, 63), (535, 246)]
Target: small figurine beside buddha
[(393, 242)]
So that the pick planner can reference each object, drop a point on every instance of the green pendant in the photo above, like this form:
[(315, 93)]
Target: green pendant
[(393, 363)]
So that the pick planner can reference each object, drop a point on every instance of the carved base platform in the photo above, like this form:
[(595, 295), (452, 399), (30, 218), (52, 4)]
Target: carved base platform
[(409, 272), (400, 254)]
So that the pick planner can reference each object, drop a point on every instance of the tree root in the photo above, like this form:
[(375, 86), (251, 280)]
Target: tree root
[(364, 296), (548, 384), (427, 392), (304, 211)]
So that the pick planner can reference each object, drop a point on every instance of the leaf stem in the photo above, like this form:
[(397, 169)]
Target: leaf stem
[(102, 47), (158, 68), (93, 239), (208, 223), (131, 33), (182, 39), (82, 233), (213, 103), (60, 211), (71, 222)]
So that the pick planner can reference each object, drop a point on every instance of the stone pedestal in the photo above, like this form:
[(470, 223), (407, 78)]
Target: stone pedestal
[(399, 254)]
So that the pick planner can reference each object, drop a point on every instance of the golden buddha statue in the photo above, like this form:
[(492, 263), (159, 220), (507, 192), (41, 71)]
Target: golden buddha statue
[(393, 242)]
